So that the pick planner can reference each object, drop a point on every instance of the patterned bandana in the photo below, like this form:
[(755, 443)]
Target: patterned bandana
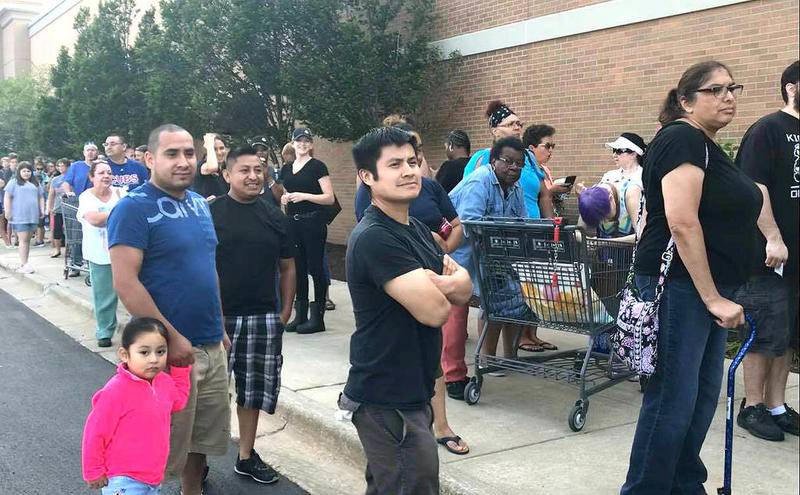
[(498, 115)]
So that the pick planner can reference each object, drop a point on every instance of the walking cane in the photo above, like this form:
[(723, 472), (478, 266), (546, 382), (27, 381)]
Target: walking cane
[(726, 486)]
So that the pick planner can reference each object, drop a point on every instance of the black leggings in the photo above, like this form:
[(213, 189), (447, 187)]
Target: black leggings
[(309, 237)]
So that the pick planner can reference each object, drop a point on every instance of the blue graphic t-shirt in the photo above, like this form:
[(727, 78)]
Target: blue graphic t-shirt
[(179, 266), (128, 175)]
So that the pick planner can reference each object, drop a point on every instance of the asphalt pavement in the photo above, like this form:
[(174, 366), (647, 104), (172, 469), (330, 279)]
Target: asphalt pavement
[(46, 384)]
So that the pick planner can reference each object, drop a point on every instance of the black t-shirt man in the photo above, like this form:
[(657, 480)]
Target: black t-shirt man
[(729, 206), (451, 172), (306, 181), (394, 357), (253, 238), (769, 154)]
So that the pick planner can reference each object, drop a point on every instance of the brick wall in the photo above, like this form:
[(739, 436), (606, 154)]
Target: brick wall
[(338, 158), (594, 86)]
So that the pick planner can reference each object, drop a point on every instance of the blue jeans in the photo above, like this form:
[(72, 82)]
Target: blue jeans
[(123, 485), (681, 397)]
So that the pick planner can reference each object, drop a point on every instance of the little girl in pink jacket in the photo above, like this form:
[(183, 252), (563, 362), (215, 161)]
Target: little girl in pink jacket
[(126, 438)]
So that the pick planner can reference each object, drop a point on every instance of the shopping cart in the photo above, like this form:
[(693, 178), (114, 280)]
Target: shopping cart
[(73, 236), (534, 272)]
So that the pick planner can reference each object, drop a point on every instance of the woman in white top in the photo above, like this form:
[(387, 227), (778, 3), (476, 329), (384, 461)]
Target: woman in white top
[(628, 151), (94, 206)]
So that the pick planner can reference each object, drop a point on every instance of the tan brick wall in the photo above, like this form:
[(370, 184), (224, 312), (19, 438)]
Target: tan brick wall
[(593, 86), (338, 158), (466, 16)]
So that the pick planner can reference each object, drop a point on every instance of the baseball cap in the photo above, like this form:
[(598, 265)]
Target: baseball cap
[(630, 141), (301, 132), (259, 141)]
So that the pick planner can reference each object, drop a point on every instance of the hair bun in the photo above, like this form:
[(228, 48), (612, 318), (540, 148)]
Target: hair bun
[(492, 106)]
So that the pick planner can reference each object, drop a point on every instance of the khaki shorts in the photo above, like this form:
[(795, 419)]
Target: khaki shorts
[(204, 426)]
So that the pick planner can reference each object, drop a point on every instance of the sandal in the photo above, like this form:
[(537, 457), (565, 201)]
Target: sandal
[(531, 347), (547, 346), (455, 439), (55, 255)]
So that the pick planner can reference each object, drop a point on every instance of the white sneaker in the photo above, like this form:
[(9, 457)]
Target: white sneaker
[(26, 268)]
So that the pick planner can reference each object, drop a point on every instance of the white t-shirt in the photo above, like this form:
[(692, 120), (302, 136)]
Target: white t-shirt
[(95, 239), (616, 175)]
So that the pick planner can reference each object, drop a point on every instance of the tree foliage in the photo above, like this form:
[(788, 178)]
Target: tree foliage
[(239, 67), (18, 96)]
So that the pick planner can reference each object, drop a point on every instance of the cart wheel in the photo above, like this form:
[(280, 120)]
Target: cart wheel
[(577, 417), (472, 393), (643, 379), (88, 281)]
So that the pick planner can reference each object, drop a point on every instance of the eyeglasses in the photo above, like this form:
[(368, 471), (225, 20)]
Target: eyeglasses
[(509, 163), (621, 151), (721, 92), (516, 123), (550, 146), (110, 144)]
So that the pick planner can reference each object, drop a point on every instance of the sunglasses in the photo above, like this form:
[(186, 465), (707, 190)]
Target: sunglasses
[(550, 146), (621, 151)]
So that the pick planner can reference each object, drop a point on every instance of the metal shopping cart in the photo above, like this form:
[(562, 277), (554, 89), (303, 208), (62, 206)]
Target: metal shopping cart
[(73, 237), (534, 272)]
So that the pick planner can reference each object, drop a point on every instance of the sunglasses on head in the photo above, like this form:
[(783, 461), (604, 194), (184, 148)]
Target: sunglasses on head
[(621, 151)]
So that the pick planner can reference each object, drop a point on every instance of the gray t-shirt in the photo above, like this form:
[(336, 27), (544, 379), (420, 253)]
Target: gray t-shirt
[(57, 183), (24, 202)]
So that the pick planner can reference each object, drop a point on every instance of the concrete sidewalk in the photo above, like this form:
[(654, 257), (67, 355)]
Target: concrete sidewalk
[(518, 434)]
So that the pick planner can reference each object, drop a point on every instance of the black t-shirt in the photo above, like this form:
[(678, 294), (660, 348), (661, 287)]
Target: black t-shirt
[(209, 185), (393, 357), (729, 206), (769, 154), (451, 172), (253, 237), (430, 207), (306, 181)]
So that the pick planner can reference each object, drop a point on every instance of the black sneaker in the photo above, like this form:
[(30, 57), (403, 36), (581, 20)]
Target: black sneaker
[(455, 390), (788, 421), (104, 343), (758, 421), (256, 469)]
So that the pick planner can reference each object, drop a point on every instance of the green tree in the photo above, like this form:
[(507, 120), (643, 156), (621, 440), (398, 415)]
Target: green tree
[(18, 97)]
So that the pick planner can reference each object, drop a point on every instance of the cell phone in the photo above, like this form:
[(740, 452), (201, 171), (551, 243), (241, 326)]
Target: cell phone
[(568, 180)]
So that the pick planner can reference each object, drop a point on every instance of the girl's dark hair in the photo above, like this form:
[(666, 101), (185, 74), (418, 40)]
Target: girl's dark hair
[(534, 134), (139, 326), (65, 161), (691, 80), (459, 139), (18, 175)]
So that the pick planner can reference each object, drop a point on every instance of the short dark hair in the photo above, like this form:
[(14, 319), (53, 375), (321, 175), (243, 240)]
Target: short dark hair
[(140, 326), (13, 156), (691, 80), (368, 149), (506, 142), (142, 148), (459, 139), (65, 161), (233, 155), (534, 134), (118, 135), (18, 175), (791, 75), (154, 139)]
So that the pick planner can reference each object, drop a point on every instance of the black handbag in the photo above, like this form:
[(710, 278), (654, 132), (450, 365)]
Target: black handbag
[(330, 212)]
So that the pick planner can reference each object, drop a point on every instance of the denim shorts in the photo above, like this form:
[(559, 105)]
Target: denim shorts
[(123, 485), (772, 301), (24, 227)]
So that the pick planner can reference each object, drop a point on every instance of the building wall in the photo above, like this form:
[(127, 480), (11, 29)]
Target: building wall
[(595, 85)]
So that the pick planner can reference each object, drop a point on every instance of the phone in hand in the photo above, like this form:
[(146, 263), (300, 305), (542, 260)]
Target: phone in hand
[(567, 181)]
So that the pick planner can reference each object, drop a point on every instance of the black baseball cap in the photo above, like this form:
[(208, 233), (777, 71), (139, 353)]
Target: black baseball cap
[(259, 141), (301, 132)]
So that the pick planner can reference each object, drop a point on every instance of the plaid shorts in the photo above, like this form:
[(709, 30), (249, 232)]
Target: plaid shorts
[(256, 359)]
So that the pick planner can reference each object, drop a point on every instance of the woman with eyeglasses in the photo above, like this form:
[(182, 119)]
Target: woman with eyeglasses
[(708, 207)]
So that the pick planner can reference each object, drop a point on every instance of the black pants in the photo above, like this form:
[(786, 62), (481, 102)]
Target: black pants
[(402, 458), (309, 236)]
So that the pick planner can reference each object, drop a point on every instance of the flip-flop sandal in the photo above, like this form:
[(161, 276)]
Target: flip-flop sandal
[(547, 346), (55, 255), (531, 347), (457, 440)]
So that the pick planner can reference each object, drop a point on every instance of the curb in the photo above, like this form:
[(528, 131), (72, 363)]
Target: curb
[(309, 417)]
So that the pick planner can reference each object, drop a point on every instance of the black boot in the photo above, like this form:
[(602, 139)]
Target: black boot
[(300, 316), (317, 322)]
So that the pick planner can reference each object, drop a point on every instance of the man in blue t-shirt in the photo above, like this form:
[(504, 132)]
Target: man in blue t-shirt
[(76, 180), (125, 173), (163, 247)]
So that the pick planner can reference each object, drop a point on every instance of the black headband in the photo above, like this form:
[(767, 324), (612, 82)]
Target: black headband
[(498, 115)]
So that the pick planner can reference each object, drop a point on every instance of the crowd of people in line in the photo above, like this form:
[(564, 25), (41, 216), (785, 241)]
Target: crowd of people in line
[(212, 258)]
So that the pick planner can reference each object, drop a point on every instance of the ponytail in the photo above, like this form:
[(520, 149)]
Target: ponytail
[(671, 109)]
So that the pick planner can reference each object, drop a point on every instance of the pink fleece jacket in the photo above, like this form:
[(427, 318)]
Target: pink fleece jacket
[(127, 431)]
